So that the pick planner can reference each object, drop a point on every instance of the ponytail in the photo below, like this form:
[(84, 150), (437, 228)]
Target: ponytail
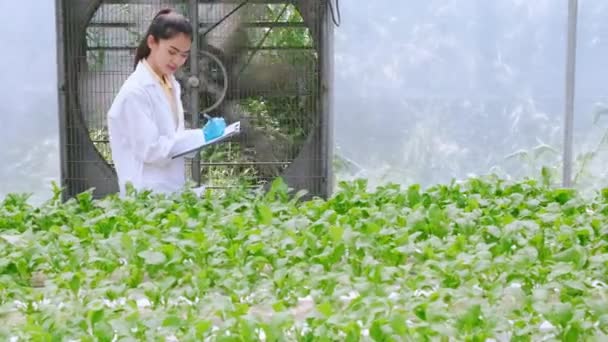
[(165, 25), (142, 52)]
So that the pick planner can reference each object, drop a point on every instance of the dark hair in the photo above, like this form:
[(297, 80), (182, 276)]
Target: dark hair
[(165, 25)]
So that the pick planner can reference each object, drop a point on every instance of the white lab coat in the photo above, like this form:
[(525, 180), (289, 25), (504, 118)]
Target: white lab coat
[(143, 134)]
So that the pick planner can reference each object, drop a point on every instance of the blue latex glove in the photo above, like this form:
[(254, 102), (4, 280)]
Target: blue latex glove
[(213, 128)]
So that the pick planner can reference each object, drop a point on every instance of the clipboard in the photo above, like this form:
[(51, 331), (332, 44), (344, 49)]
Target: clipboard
[(230, 131)]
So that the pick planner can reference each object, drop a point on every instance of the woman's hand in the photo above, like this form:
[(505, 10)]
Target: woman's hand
[(214, 128)]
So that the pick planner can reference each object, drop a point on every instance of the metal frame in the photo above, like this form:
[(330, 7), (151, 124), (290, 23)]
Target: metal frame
[(327, 105), (61, 92), (78, 154), (194, 84), (570, 84)]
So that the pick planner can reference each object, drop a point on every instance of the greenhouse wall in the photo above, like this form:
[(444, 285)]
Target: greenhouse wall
[(428, 91), (591, 105), (28, 99)]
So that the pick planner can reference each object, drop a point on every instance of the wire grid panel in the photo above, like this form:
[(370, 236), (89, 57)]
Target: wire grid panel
[(258, 63), (273, 76)]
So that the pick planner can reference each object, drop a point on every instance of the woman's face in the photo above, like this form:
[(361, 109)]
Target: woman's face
[(168, 55)]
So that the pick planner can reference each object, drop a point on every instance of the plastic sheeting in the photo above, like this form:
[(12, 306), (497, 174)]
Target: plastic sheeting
[(428, 91), (28, 100)]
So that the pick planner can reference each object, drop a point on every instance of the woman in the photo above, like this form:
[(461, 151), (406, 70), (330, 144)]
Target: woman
[(146, 119)]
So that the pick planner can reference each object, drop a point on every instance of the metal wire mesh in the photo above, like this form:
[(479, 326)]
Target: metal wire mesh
[(275, 56)]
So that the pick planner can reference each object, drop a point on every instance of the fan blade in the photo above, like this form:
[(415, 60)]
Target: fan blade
[(301, 172), (276, 79), (79, 12), (270, 148), (309, 10), (227, 39)]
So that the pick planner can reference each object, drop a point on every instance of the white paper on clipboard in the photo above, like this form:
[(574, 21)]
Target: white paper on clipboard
[(231, 130)]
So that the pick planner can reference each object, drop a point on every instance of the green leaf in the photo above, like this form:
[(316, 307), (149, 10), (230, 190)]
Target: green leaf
[(437, 220), (603, 322), (471, 320), (353, 332), (336, 233), (95, 316), (377, 330), (546, 176), (562, 196), (420, 311), (399, 325), (152, 257), (202, 327), (74, 282), (325, 308), (560, 314), (173, 321), (263, 214), (576, 255), (15, 240), (413, 195), (103, 332), (573, 333)]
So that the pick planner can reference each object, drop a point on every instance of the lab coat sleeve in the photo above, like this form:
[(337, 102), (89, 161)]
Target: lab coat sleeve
[(142, 135)]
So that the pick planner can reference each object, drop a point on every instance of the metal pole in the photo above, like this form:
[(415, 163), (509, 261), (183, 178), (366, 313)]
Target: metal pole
[(61, 88), (194, 84), (570, 87), (327, 118)]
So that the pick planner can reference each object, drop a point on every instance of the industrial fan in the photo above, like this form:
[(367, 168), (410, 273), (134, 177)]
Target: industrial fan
[(266, 63)]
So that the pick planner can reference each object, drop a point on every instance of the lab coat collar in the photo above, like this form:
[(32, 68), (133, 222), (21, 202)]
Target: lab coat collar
[(147, 78)]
